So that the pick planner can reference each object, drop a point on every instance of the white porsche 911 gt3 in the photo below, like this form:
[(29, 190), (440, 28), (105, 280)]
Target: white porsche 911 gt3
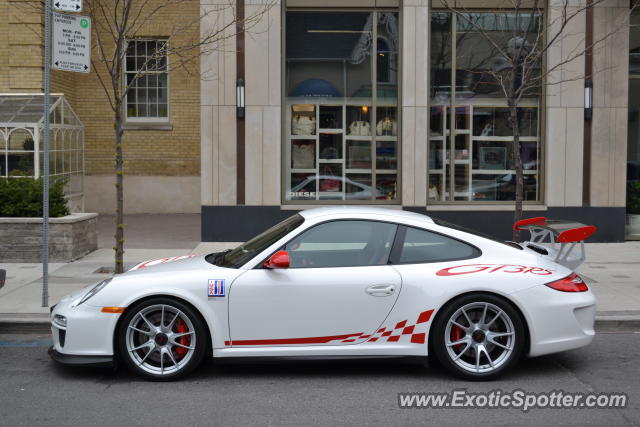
[(341, 282)]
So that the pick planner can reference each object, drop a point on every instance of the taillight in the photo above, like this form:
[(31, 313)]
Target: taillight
[(571, 283)]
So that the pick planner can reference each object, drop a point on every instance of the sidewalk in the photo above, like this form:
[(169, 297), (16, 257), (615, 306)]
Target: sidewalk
[(612, 270)]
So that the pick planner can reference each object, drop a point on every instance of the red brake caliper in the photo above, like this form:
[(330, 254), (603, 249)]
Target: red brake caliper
[(456, 335), (181, 328)]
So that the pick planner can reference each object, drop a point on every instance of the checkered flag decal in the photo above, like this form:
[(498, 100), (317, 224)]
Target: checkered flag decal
[(401, 329)]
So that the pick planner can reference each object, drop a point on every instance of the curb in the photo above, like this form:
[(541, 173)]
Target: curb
[(618, 324), (23, 326), (41, 326)]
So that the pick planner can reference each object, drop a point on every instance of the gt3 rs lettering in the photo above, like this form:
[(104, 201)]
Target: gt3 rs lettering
[(492, 268)]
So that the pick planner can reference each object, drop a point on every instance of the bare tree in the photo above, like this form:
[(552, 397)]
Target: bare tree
[(116, 23), (515, 42)]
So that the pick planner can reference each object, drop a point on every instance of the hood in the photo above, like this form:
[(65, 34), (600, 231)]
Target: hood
[(170, 264)]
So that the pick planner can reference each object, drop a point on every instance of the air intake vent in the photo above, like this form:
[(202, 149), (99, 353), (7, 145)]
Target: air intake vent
[(541, 251), (63, 336)]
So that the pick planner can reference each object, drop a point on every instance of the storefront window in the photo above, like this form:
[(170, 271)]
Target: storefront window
[(470, 156), (341, 114), (633, 135)]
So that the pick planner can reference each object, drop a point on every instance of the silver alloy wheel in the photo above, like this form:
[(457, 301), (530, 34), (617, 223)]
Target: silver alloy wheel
[(479, 337), (157, 342)]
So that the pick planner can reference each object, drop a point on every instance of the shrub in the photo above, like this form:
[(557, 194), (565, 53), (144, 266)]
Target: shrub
[(633, 197), (22, 197)]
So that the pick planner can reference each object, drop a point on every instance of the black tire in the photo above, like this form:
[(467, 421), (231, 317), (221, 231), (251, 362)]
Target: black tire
[(466, 361), (177, 367)]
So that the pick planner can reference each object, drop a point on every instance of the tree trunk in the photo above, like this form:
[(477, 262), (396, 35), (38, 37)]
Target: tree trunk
[(517, 160), (119, 236)]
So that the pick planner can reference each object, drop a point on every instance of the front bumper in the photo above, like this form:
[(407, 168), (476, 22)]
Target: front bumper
[(76, 360), (557, 321), (88, 333)]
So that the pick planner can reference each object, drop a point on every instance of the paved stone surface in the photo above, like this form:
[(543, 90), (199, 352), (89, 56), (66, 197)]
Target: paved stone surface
[(168, 231), (35, 391)]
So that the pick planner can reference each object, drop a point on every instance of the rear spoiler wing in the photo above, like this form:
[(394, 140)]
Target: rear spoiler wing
[(562, 236)]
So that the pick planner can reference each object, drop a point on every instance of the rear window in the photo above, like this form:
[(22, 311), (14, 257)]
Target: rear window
[(474, 232), (422, 246)]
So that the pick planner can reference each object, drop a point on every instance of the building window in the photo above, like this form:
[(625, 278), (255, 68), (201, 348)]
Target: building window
[(470, 155), (148, 81), (341, 117), (633, 132)]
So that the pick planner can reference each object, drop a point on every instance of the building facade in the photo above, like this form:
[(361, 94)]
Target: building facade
[(162, 137), (379, 102), (366, 102)]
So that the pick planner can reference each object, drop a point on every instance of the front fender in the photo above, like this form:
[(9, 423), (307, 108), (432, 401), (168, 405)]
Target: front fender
[(189, 286)]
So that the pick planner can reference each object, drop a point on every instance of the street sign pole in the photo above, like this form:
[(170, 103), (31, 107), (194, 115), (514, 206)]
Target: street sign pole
[(45, 188)]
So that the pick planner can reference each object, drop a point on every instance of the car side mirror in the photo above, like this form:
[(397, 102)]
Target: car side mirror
[(278, 260)]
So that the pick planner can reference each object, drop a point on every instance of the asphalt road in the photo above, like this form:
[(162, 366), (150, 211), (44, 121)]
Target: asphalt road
[(35, 391)]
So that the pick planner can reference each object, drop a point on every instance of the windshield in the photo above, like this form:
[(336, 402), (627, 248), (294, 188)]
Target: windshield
[(239, 256), (474, 232)]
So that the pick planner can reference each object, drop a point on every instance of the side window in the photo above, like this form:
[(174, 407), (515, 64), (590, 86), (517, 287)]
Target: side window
[(342, 244), (423, 246)]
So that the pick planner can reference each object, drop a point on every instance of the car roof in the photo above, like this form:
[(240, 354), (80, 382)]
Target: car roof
[(337, 211)]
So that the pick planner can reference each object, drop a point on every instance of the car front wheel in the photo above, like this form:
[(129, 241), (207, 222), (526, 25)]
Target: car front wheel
[(161, 339), (478, 337)]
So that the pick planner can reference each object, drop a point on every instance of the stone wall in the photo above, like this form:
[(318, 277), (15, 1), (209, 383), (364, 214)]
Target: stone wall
[(70, 237)]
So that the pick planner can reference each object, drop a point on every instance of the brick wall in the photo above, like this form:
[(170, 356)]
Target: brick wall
[(20, 46), (174, 152)]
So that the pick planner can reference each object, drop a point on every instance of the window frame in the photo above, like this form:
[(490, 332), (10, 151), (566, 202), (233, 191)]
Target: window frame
[(281, 247), (398, 245), (153, 122), (452, 106), (285, 140)]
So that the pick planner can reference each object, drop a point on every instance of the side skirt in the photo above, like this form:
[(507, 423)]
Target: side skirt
[(356, 351)]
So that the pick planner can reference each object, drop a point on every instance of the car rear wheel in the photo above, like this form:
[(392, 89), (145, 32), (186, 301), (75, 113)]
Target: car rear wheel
[(478, 337), (161, 339)]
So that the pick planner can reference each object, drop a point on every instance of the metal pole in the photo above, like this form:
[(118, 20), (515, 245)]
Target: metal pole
[(45, 189)]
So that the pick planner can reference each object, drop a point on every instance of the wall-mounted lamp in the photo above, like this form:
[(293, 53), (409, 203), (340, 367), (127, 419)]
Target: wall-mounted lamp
[(240, 98), (588, 99)]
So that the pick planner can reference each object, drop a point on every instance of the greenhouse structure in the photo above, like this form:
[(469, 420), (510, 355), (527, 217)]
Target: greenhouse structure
[(22, 142)]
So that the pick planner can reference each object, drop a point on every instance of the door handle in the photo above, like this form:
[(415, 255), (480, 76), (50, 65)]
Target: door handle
[(380, 290)]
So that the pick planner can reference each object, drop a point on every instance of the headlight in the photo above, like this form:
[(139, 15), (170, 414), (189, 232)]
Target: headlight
[(97, 288), (60, 320)]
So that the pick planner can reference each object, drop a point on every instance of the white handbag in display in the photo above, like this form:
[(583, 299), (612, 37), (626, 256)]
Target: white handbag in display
[(434, 194), (360, 128), (303, 125), (387, 127), (303, 156)]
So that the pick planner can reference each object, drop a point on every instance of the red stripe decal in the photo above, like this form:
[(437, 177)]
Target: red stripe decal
[(408, 330), (418, 338), (284, 341), (425, 316), (401, 324), (227, 342)]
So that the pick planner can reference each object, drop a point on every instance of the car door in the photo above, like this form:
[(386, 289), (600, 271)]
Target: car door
[(337, 290)]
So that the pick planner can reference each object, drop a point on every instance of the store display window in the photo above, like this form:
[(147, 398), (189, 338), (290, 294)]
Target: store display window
[(342, 124), (471, 146)]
